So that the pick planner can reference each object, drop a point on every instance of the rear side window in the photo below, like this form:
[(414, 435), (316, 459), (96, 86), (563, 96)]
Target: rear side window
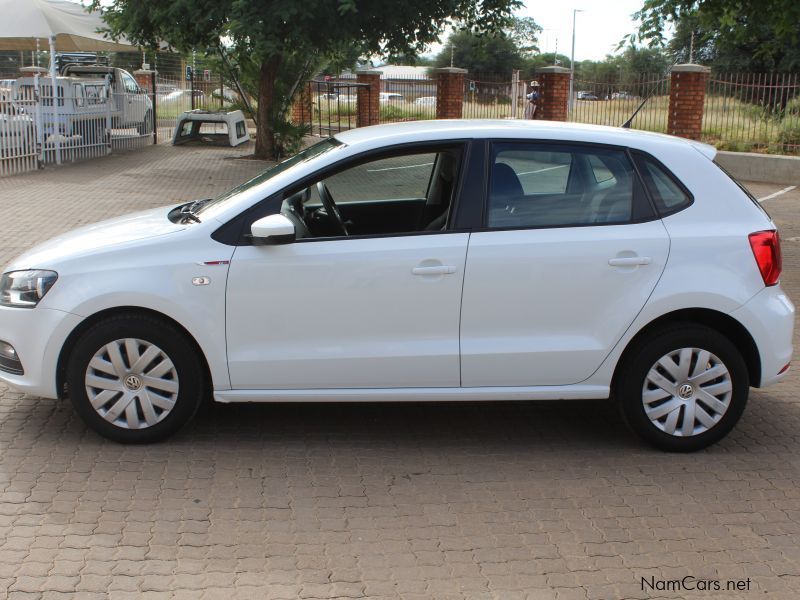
[(543, 184), (668, 195)]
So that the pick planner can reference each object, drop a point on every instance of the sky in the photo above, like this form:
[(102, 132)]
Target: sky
[(598, 29)]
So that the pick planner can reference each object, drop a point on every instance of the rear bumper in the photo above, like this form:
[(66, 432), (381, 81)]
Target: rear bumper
[(769, 317), (37, 335)]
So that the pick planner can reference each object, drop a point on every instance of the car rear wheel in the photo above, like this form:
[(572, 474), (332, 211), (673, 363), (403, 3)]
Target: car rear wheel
[(146, 126), (683, 388), (135, 379)]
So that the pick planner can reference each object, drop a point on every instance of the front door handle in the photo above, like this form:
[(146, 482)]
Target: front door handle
[(434, 270), (629, 261)]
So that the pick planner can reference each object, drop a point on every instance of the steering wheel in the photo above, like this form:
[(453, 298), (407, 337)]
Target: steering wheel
[(331, 208)]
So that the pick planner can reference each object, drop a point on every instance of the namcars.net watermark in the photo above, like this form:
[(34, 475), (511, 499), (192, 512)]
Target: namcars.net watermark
[(689, 583)]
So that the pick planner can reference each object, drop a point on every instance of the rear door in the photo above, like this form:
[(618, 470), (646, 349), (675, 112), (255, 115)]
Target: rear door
[(569, 253)]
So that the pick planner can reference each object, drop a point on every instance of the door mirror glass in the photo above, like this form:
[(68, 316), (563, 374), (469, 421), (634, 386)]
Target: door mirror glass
[(274, 229)]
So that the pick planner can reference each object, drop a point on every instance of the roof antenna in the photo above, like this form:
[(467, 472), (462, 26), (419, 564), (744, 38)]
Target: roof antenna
[(627, 124)]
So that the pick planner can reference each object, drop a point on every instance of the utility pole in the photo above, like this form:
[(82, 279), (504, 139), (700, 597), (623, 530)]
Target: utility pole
[(575, 11)]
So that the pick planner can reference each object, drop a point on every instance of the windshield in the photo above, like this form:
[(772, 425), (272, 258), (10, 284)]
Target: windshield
[(305, 155)]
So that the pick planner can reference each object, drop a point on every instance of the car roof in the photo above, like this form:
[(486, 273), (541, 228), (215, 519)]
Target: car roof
[(377, 136)]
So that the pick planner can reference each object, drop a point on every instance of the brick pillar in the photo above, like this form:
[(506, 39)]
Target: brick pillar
[(450, 93), (144, 79), (368, 98), (687, 93), (301, 105), (553, 93)]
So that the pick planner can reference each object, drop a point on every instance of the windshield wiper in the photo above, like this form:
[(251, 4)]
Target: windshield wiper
[(192, 207), (187, 213)]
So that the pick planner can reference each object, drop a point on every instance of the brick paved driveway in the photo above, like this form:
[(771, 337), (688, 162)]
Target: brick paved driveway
[(537, 500)]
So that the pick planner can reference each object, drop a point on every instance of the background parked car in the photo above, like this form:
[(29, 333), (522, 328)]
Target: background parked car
[(229, 95), (183, 98), (426, 100), (587, 96), (390, 97)]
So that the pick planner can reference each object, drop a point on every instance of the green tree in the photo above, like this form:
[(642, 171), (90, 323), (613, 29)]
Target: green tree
[(284, 39), (709, 46), (546, 59), (497, 51), (524, 32), (480, 52), (767, 30), (413, 60)]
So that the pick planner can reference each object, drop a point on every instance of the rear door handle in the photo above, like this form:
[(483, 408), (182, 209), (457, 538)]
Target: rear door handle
[(629, 261), (435, 270)]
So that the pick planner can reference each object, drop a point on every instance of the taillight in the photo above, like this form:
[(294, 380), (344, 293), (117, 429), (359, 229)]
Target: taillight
[(766, 247)]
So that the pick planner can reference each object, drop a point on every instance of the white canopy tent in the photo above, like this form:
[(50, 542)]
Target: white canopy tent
[(67, 26)]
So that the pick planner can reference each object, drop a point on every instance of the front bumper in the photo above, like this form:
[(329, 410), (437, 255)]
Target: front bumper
[(38, 335), (769, 317)]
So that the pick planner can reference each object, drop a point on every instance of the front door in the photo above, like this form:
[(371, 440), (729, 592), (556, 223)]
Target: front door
[(570, 253), (376, 309)]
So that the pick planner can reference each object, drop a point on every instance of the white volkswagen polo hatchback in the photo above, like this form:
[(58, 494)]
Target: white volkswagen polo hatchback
[(450, 260)]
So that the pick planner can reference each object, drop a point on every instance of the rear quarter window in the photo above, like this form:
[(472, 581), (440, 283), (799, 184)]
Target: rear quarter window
[(668, 194)]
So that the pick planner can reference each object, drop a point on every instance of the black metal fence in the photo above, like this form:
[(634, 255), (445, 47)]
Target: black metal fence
[(334, 105), (753, 112), (613, 100)]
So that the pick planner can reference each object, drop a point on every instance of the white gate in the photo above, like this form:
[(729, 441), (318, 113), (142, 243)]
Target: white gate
[(18, 135), (81, 119)]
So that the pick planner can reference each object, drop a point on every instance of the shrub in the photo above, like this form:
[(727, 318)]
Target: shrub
[(789, 135)]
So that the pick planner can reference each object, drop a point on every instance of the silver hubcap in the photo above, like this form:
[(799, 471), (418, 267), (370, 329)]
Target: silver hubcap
[(132, 383), (687, 392)]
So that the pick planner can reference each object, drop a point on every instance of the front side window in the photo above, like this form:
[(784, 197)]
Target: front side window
[(561, 185), (387, 179), (130, 83), (399, 194)]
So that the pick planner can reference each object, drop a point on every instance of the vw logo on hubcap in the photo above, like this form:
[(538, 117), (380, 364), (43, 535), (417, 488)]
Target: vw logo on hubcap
[(132, 382), (686, 391)]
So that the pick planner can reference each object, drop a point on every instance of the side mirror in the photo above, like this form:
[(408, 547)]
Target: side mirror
[(273, 229)]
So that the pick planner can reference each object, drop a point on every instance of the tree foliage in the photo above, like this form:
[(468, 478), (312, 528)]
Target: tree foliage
[(480, 53), (282, 36), (693, 41), (768, 31), (496, 51)]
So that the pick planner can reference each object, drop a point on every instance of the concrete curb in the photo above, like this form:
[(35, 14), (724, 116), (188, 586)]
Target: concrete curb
[(767, 168)]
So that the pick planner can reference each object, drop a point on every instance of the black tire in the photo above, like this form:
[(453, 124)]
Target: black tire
[(643, 355), (174, 345), (146, 126)]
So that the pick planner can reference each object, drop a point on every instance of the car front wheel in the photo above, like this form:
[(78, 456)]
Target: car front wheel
[(135, 379), (683, 388)]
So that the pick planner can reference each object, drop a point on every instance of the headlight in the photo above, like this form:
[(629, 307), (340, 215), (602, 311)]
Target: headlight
[(24, 289)]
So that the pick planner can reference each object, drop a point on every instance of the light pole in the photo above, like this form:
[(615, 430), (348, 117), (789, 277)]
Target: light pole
[(575, 11)]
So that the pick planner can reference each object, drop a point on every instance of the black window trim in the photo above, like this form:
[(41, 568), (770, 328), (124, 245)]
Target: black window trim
[(491, 142), (634, 153), (233, 232)]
